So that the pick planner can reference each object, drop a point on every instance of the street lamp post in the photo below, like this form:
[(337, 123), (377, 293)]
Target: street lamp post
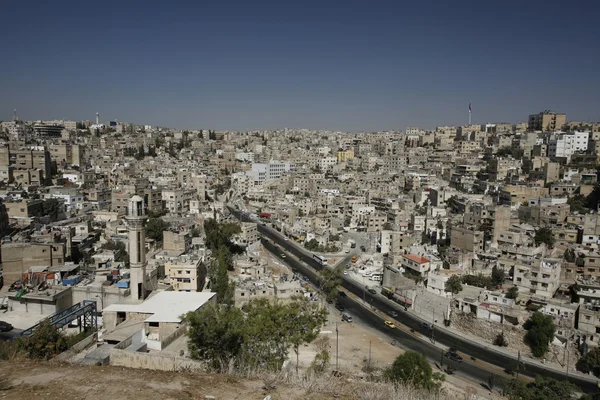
[(337, 347)]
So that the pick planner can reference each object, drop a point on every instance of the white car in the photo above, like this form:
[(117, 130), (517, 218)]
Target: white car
[(345, 272)]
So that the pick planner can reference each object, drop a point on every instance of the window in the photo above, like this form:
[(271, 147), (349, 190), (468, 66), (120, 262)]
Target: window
[(153, 324)]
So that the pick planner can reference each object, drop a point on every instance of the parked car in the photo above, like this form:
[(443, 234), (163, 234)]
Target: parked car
[(372, 291), (390, 324), (340, 307), (282, 255), (393, 314), (341, 293), (453, 356), (427, 325), (5, 326), (346, 317)]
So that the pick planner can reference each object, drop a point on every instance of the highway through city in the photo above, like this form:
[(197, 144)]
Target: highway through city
[(402, 338), (412, 322)]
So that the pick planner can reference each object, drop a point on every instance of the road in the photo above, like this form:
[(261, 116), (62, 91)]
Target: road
[(411, 321), (403, 338)]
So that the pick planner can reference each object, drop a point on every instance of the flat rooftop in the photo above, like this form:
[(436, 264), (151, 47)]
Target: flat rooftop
[(165, 306)]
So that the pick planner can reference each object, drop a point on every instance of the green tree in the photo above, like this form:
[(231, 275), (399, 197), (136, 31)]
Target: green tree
[(220, 278), (544, 235), (260, 335), (50, 208), (512, 293), (540, 388), (500, 340), (196, 232), (592, 200), (540, 332), (45, 343), (312, 245), (497, 276), (453, 284), (219, 234), (155, 228), (411, 368), (590, 362), (330, 279), (216, 335), (577, 203), (304, 326), (120, 250)]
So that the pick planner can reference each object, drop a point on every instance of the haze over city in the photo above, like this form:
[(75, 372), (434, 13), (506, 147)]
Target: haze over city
[(356, 66)]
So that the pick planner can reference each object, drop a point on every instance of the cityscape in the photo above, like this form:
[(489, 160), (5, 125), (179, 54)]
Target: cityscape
[(274, 201), (449, 242)]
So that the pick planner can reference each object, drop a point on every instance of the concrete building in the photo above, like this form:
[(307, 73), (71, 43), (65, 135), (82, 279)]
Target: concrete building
[(248, 234), (264, 172), (466, 238), (562, 145), (177, 200), (547, 121), (154, 323), (176, 243), (416, 265), (186, 274), (17, 258), (540, 279)]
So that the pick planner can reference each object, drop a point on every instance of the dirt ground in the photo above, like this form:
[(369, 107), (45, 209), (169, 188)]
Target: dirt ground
[(514, 335)]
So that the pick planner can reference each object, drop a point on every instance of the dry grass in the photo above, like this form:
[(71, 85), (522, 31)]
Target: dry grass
[(32, 380)]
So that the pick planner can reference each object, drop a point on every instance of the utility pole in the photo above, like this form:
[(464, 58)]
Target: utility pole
[(369, 363), (432, 324), (337, 347), (518, 363)]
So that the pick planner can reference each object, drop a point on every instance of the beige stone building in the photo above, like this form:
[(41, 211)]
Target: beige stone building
[(186, 275), (17, 258), (466, 238), (547, 121)]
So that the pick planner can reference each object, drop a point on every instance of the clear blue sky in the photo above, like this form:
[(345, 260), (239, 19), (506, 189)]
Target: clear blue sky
[(350, 65)]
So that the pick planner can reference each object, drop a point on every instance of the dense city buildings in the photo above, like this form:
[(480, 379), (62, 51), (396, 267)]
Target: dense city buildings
[(128, 221)]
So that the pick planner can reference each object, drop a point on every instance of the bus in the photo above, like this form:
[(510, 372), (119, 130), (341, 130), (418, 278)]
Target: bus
[(320, 259)]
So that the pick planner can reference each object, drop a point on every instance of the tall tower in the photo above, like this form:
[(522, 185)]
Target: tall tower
[(136, 220), (97, 118)]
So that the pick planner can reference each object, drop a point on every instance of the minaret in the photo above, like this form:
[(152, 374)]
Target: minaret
[(97, 118), (136, 221)]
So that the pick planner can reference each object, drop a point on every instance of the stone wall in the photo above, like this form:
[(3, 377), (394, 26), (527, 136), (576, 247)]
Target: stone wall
[(156, 361)]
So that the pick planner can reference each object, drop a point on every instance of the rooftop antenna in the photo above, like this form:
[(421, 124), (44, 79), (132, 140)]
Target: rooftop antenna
[(15, 118)]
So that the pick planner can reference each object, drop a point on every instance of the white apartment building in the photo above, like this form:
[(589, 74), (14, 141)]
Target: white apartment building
[(326, 163), (566, 144), (264, 172), (245, 157), (436, 284)]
